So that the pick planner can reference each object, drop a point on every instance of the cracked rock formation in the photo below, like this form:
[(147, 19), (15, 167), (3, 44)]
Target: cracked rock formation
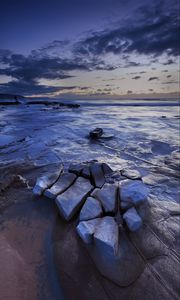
[(109, 205)]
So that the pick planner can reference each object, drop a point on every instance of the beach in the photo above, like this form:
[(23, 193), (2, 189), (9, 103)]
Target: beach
[(41, 255)]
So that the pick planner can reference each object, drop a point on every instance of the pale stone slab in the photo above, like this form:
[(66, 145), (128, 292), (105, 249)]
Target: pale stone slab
[(131, 174), (71, 200), (107, 196), (132, 219), (106, 235), (63, 183), (97, 174), (46, 181), (91, 209), (86, 229), (133, 192)]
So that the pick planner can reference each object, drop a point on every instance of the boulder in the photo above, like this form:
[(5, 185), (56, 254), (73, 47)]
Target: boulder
[(72, 199), (76, 168), (63, 183), (131, 174), (132, 219), (106, 169), (97, 174), (86, 230), (86, 172), (91, 209), (106, 235), (46, 181), (107, 197), (132, 192)]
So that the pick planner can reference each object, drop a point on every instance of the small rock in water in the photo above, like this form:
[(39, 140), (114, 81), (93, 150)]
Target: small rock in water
[(71, 200), (91, 209), (65, 181), (131, 174), (107, 197), (86, 230), (97, 175), (106, 235), (133, 192), (132, 219), (46, 181), (96, 133)]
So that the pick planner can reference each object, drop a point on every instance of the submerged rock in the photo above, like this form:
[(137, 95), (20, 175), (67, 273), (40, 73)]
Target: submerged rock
[(96, 133), (91, 209), (86, 229), (71, 200), (131, 174), (97, 174), (106, 235), (46, 181), (63, 183), (107, 197), (132, 219), (132, 192)]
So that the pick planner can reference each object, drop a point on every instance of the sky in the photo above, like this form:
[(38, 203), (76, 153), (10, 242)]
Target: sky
[(89, 49)]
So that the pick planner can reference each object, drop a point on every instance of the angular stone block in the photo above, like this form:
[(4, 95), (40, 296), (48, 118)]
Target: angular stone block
[(97, 175), (71, 200), (65, 181), (86, 172), (107, 197), (76, 168), (106, 169), (46, 181), (91, 209), (133, 192), (106, 235), (132, 219), (86, 230)]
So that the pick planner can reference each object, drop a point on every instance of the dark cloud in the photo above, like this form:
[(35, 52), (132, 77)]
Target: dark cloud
[(154, 32), (165, 71), (136, 77), (153, 78), (151, 90), (129, 92), (169, 76)]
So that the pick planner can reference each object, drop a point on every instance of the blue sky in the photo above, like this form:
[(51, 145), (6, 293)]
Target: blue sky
[(83, 48)]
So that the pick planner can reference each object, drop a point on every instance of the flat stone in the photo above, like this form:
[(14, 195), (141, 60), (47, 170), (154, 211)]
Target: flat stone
[(107, 197), (71, 200), (86, 229), (106, 235), (97, 175), (106, 169), (133, 192), (91, 209), (131, 174), (46, 181), (132, 219), (63, 183)]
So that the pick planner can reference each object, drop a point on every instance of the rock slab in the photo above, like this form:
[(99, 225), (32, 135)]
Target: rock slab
[(132, 219), (91, 209), (107, 197), (106, 235), (132, 192), (71, 200), (97, 174), (63, 183), (86, 229)]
